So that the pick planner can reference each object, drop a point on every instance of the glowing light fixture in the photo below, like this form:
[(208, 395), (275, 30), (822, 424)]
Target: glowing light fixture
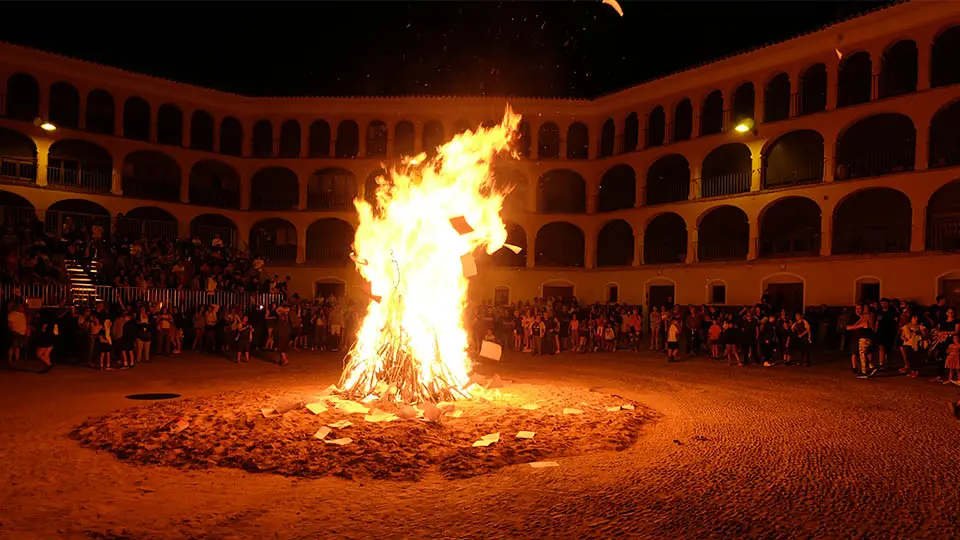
[(745, 126), (44, 124)]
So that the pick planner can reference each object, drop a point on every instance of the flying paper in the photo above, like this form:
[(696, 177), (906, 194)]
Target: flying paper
[(460, 225), (339, 442), (572, 411), (615, 5), (491, 350), (469, 265), (515, 249)]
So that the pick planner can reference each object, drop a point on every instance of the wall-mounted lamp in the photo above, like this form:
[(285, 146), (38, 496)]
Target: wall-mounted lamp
[(747, 125), (44, 125)]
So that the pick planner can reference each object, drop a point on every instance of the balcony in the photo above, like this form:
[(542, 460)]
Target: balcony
[(90, 181), (725, 184), (720, 251), (18, 171), (803, 244)]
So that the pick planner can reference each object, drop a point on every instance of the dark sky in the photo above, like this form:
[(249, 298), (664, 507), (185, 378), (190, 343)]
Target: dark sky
[(561, 48)]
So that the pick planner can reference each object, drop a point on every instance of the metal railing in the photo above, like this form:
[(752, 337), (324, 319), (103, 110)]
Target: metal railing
[(265, 201), (63, 294), (277, 253), (896, 83), (325, 256), (664, 252), (80, 179), (206, 234), (879, 239), (323, 201), (218, 198), (727, 250), (134, 227), (54, 294), (54, 221), (725, 184), (943, 234), (944, 153), (802, 244), (663, 193), (793, 174), (876, 163), (18, 170), (154, 191), (17, 216)]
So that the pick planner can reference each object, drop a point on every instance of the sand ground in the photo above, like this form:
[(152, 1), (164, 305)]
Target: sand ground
[(792, 452)]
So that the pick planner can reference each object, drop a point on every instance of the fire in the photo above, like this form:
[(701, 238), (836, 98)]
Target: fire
[(412, 345)]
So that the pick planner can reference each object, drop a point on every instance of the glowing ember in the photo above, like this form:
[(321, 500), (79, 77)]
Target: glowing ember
[(431, 215)]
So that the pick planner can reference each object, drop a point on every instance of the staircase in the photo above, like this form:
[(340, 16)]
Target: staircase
[(82, 284)]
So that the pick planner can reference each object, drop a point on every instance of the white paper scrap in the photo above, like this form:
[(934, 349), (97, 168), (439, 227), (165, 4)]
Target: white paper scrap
[(469, 265), (322, 433), (269, 412), (488, 439), (515, 249), (352, 407), (339, 442), (431, 413), (526, 434), (491, 350), (329, 390), (179, 426), (544, 464), (627, 407), (572, 411), (380, 416), (530, 406), (316, 408), (340, 424), (613, 408)]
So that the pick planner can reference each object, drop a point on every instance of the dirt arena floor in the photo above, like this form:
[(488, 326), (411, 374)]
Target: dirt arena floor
[(787, 452)]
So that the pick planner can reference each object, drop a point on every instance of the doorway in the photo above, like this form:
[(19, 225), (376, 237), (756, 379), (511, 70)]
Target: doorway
[(951, 289), (613, 294), (328, 288), (661, 296), (869, 292), (788, 296), (563, 293)]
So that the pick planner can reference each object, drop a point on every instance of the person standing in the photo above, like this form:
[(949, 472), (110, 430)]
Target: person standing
[(673, 340), (537, 330), (801, 339), (164, 326), (17, 322), (44, 342), (243, 338), (281, 334)]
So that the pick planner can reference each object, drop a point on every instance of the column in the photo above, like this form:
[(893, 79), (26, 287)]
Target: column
[(833, 76), (247, 141), (918, 229), (876, 63), (245, 182), (117, 178), (590, 251), (757, 164), (118, 117), (759, 100), (534, 142), (43, 151), (303, 180), (924, 46), (592, 199), (417, 137), (301, 244), (796, 85), (362, 143), (754, 236), (692, 238), (185, 188), (830, 156), (695, 132), (922, 157), (695, 179), (187, 122), (153, 124), (391, 140), (637, 247), (530, 253), (216, 135), (826, 232), (276, 129), (593, 136)]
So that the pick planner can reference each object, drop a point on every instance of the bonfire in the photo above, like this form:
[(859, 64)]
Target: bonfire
[(429, 218)]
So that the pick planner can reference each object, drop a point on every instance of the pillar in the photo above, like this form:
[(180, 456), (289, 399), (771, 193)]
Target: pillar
[(216, 136), (118, 116), (637, 248), (756, 171), (829, 156), (753, 238), (391, 140), (593, 136), (876, 64), (117, 178), (826, 232), (247, 141), (534, 142), (417, 137), (362, 143), (303, 181), (918, 227), (922, 155), (245, 184), (592, 199), (695, 105), (530, 253), (590, 250), (759, 100), (185, 188), (695, 172), (187, 122), (833, 76), (924, 50), (692, 239), (301, 244), (275, 131), (43, 154)]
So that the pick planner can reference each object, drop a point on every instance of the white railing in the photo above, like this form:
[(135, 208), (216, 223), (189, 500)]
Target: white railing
[(57, 294)]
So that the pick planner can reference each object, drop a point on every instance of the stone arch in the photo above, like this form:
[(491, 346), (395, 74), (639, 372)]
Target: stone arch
[(16, 210), (136, 119), (561, 191), (724, 234), (776, 98), (794, 158), (404, 137), (201, 130), (615, 244), (329, 241), (274, 188), (332, 189), (813, 90), (275, 240), (608, 136), (855, 79), (559, 244), (23, 97), (148, 174), (262, 139), (207, 227), (711, 114), (347, 144), (82, 165), (149, 222), (522, 139), (548, 141), (214, 183), (668, 180), (790, 227), (290, 139), (433, 137), (881, 144), (231, 137), (319, 139), (899, 69), (656, 127), (945, 136), (65, 105), (727, 170), (78, 213), (618, 189), (170, 125), (944, 69), (377, 136), (516, 236), (665, 239), (683, 121), (744, 98), (100, 112), (943, 218), (631, 132), (18, 157), (578, 141), (872, 220)]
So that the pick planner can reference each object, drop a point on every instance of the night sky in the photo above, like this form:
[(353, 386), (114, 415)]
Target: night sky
[(560, 48)]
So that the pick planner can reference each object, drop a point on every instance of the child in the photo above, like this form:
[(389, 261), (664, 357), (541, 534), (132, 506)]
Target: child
[(106, 344), (490, 337), (673, 340), (609, 339), (713, 334), (953, 361), (243, 339)]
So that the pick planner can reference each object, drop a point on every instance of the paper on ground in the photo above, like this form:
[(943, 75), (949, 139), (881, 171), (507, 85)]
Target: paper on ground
[(316, 408), (530, 406), (179, 426), (456, 414), (544, 464), (526, 434), (627, 407), (431, 413), (352, 407), (491, 350), (380, 416), (340, 424), (572, 411), (322, 433), (339, 442), (488, 439), (269, 412), (613, 408)]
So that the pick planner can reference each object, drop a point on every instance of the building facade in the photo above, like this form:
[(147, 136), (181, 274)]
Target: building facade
[(825, 168)]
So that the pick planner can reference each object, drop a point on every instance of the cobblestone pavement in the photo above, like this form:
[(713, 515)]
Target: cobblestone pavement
[(790, 452)]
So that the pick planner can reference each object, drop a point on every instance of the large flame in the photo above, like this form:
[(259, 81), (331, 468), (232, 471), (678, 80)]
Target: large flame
[(412, 345)]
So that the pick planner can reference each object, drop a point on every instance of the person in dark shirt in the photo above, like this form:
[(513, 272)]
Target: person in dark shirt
[(768, 340), (748, 338), (731, 341), (887, 322)]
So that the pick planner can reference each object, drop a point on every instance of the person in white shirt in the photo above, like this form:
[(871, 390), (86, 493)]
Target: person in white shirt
[(17, 321), (673, 340)]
